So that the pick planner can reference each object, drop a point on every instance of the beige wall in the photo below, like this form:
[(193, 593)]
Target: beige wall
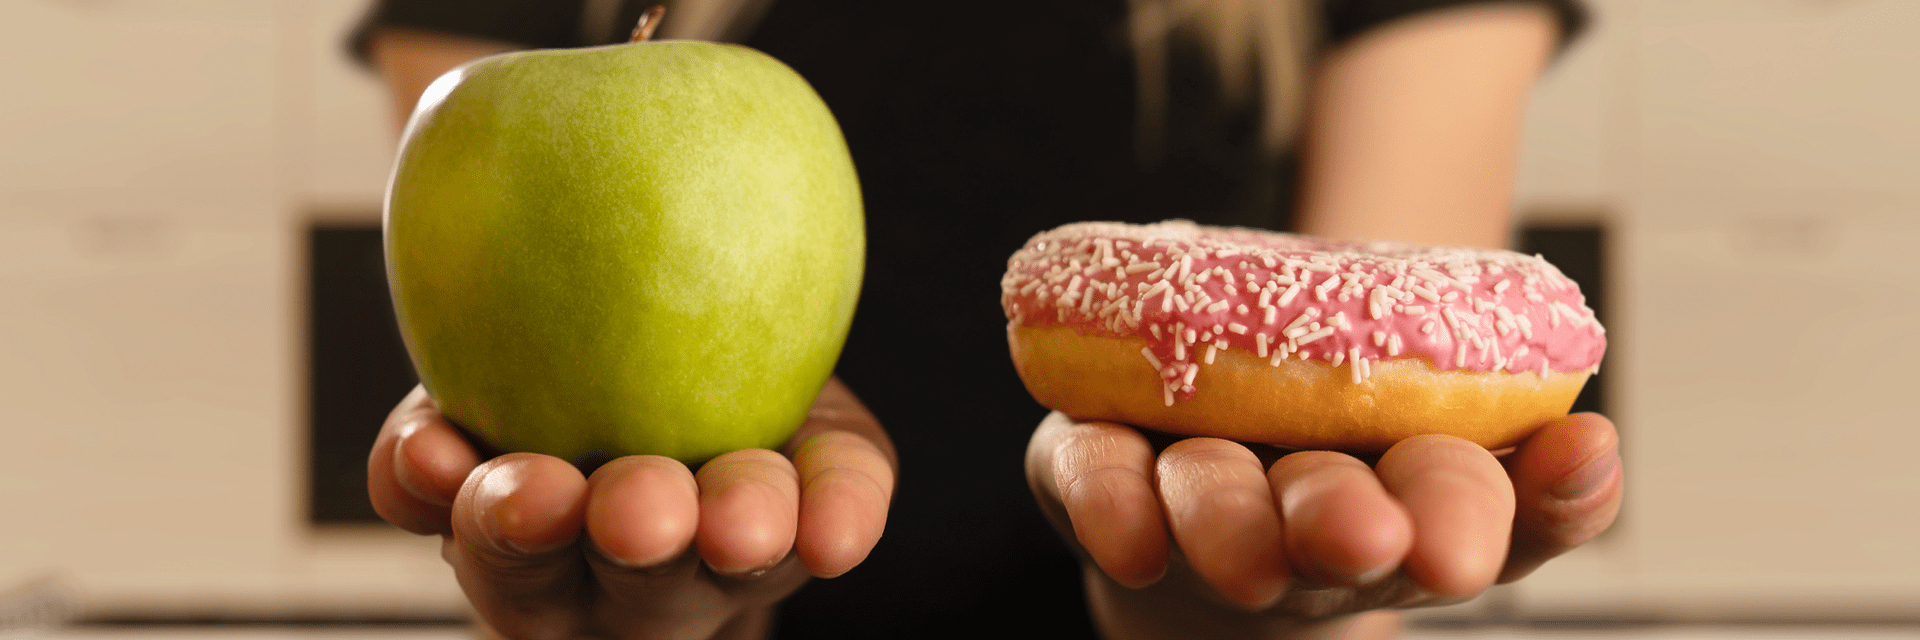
[(1758, 161), (158, 162)]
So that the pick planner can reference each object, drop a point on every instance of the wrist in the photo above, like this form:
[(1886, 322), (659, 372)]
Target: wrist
[(1182, 606)]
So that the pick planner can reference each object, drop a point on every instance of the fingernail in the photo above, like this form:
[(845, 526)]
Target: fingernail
[(749, 573), (1374, 575), (490, 489), (489, 501), (404, 474), (1589, 478)]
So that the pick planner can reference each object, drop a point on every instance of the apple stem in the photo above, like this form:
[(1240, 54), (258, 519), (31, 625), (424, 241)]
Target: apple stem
[(643, 30)]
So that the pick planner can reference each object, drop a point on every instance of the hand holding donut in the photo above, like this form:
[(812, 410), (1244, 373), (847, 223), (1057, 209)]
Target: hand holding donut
[(1201, 539), (643, 547), (1426, 357)]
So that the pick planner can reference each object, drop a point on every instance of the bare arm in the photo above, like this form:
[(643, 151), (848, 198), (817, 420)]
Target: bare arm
[(1413, 131)]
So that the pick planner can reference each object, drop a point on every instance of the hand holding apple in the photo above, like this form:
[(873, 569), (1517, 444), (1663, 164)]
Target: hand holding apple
[(651, 248), (642, 547)]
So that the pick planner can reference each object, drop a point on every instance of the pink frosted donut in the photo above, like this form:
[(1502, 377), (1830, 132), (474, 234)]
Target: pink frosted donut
[(1292, 340)]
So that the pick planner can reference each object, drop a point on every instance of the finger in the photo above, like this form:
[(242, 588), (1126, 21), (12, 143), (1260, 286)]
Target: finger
[(417, 465), (846, 485), (749, 509), (1567, 483), (1222, 512), (1100, 476), (642, 515), (1462, 508), (1341, 526), (642, 511), (837, 409), (513, 550)]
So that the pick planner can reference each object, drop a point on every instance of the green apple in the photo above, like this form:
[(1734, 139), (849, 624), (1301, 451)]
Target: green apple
[(645, 248)]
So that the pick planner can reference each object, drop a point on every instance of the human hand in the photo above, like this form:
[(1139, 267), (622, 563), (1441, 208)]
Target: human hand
[(644, 547), (1204, 539)]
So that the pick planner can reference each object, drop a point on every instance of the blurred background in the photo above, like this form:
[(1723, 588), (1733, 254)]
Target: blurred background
[(193, 355)]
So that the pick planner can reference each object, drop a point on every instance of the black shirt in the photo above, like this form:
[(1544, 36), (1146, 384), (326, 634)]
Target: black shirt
[(973, 127)]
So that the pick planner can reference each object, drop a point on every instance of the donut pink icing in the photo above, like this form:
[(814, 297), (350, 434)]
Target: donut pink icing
[(1190, 291)]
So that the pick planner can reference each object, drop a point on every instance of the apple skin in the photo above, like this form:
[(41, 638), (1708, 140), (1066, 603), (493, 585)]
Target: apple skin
[(645, 248)]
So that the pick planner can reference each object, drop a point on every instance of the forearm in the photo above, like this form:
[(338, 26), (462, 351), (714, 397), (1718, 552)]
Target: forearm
[(1413, 131), (1180, 606)]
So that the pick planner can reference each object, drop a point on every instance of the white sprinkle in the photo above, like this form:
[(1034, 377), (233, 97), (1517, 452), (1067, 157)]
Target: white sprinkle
[(1287, 297), (1192, 370), (1191, 335), (1379, 338), (1148, 352), (1353, 356), (1260, 344), (1337, 358), (1211, 349), (1460, 355), (1320, 292), (1415, 309), (1167, 393), (1393, 345), (1304, 317), (1427, 328), (1272, 314), (1424, 293), (1217, 307), (1242, 309), (1237, 328), (1179, 350), (1156, 289), (1156, 330), (1310, 337)]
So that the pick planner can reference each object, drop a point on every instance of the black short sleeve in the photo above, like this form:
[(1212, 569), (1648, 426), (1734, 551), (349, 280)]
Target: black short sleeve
[(557, 23), (1345, 19), (543, 23)]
